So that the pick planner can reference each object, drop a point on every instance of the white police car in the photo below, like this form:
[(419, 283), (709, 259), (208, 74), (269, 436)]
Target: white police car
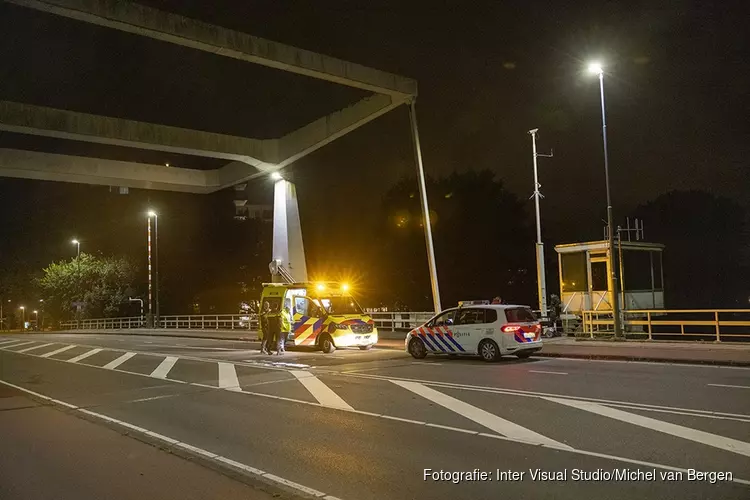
[(478, 327)]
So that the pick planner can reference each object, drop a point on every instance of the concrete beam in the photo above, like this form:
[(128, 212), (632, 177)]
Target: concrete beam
[(51, 122), (84, 170), (180, 30)]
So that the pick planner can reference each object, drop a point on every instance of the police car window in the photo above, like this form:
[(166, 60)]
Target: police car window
[(519, 315), (470, 317), (490, 316), (444, 319)]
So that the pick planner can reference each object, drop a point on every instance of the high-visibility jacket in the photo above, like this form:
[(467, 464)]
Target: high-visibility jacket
[(286, 320)]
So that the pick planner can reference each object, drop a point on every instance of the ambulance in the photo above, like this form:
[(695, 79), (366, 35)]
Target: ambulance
[(478, 328), (324, 315)]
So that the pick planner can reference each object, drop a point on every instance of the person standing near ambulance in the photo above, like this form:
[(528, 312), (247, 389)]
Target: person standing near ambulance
[(264, 329), (274, 327), (286, 326)]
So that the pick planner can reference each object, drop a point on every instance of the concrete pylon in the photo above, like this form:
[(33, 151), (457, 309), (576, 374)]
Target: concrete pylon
[(288, 250)]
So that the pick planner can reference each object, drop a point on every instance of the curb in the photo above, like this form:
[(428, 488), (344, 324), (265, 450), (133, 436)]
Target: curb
[(622, 357)]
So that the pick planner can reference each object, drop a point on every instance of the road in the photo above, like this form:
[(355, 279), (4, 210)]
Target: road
[(358, 425)]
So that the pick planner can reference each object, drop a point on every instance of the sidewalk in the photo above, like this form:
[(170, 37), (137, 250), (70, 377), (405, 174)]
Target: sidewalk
[(51, 454)]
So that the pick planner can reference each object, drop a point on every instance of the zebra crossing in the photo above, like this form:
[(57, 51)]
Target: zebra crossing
[(439, 405)]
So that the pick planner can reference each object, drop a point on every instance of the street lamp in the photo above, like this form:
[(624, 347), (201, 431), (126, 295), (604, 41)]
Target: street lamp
[(36, 320), (597, 69), (23, 317), (77, 244), (152, 214), (541, 278)]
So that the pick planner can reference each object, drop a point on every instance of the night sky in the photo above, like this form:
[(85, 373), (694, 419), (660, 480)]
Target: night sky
[(676, 87)]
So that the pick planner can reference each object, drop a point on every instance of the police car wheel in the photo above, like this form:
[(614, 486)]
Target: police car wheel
[(488, 350), (417, 349), (326, 344)]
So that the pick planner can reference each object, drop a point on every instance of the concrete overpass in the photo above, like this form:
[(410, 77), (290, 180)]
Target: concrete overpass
[(246, 157)]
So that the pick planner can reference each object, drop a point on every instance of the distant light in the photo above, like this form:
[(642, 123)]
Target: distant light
[(36, 312), (22, 307), (596, 68), (321, 287), (166, 164), (75, 242), (345, 287), (151, 213), (276, 176)]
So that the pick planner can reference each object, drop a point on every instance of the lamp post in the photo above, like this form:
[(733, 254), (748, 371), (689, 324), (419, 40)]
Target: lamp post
[(78, 245), (23, 317), (597, 69), (2, 318), (155, 281), (78, 272), (540, 274), (36, 319)]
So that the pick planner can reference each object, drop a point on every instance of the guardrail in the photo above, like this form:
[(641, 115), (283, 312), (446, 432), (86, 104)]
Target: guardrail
[(716, 324), (394, 321)]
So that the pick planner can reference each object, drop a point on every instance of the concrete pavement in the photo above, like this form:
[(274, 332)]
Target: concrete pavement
[(360, 425)]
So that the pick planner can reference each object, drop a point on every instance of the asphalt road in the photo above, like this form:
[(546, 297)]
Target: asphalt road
[(360, 425)]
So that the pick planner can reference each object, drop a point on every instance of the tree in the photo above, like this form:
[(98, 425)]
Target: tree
[(483, 241), (101, 284), (704, 235)]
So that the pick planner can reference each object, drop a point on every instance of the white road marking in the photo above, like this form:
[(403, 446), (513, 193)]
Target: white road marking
[(8, 342), (164, 367), (732, 386), (35, 347), (185, 446), (484, 418), (228, 377), (320, 391), (426, 363), (546, 372), (27, 342), (57, 351), (117, 362), (388, 417), (152, 398), (721, 442), (84, 355)]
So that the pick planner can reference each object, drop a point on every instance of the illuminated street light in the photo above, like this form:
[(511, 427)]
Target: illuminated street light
[(345, 287), (596, 68), (23, 316), (78, 245), (276, 176)]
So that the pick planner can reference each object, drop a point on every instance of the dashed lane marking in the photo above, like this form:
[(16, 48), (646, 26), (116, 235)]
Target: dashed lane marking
[(730, 386), (35, 347), (164, 367), (320, 391), (228, 376), (117, 362), (85, 355), (57, 351), (546, 372)]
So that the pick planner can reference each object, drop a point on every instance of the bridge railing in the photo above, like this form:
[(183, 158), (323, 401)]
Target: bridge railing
[(393, 321), (674, 324)]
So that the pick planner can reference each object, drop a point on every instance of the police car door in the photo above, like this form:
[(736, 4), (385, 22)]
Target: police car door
[(470, 328)]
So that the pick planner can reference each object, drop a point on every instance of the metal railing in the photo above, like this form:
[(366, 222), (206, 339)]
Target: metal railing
[(677, 324), (394, 321)]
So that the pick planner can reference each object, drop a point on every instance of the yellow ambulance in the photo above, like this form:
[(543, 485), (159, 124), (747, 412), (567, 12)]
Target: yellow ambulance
[(324, 315)]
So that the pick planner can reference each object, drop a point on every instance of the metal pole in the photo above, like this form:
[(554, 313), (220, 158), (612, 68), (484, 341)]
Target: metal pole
[(612, 281), (150, 300), (425, 206), (156, 262), (540, 274)]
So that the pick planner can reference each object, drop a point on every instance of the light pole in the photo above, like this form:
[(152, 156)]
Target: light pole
[(78, 245), (2, 318), (152, 214), (23, 317), (78, 272), (540, 274), (36, 320), (596, 68)]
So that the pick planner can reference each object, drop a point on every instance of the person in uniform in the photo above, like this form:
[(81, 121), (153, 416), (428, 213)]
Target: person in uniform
[(286, 327), (264, 332), (274, 326)]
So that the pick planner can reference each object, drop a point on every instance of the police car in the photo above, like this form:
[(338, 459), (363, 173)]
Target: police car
[(478, 327)]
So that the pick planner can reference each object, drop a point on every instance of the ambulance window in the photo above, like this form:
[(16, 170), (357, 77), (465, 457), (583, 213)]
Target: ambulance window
[(300, 305), (470, 317), (444, 319)]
